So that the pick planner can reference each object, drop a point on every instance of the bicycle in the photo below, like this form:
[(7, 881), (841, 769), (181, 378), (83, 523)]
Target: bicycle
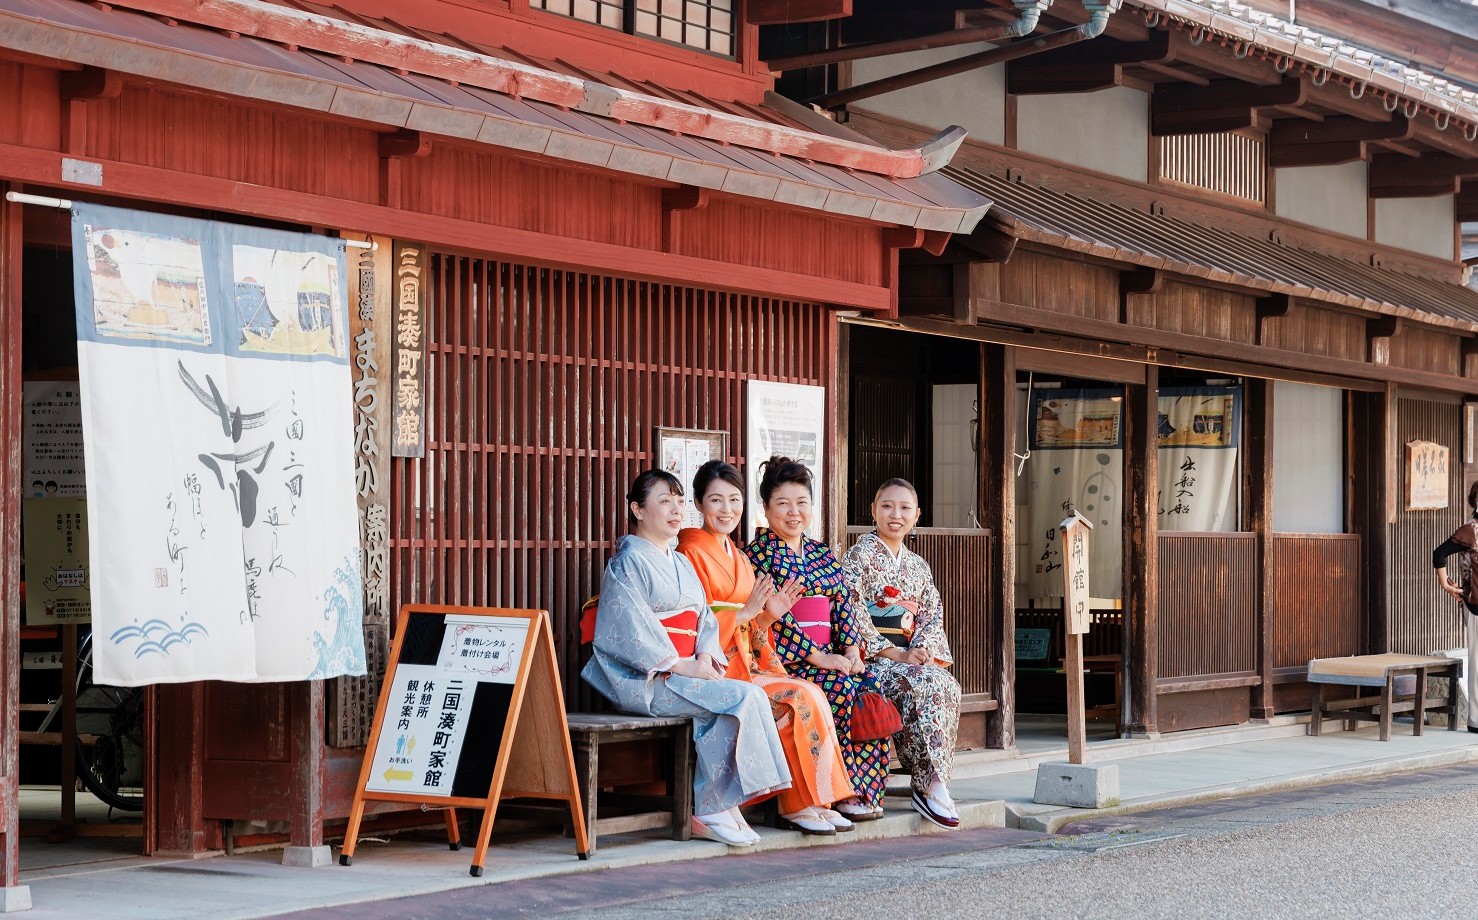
[(110, 729)]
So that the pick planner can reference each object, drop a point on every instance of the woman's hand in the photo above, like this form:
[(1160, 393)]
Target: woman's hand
[(916, 656), (758, 600), (783, 598), (702, 667), (1448, 585), (829, 662), (853, 654)]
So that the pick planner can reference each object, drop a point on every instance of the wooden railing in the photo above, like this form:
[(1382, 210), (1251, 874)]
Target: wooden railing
[(961, 560), (1208, 604), (1316, 597)]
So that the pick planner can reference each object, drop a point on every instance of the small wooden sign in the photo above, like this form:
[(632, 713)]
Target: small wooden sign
[(1075, 574), (409, 373), (1426, 475), (470, 713)]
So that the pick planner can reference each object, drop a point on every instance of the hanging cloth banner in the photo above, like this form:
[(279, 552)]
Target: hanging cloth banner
[(1076, 467), (1198, 458), (219, 450)]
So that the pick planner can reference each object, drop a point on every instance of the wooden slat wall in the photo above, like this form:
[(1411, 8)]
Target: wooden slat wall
[(543, 389), (1316, 597), (1196, 310), (1422, 618), (1230, 163), (1427, 350), (1208, 604), (884, 424), (961, 563), (1105, 635), (1316, 331), (1032, 279)]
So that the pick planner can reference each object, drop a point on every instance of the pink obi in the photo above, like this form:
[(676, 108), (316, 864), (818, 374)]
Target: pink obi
[(813, 615)]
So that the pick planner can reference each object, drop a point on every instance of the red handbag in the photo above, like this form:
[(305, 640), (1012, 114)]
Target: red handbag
[(813, 615), (874, 717)]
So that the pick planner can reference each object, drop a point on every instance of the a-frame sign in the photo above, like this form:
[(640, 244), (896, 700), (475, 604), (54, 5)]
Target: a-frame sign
[(470, 713)]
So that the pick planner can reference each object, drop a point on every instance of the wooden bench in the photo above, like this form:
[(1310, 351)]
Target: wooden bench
[(589, 731), (1381, 671)]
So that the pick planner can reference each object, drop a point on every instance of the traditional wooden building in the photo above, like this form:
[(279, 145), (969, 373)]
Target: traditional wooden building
[(1199, 200), (617, 225)]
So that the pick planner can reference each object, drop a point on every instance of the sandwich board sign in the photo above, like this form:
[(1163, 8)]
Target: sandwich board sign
[(470, 712)]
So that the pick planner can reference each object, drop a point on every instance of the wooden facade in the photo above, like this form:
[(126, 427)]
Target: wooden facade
[(572, 309)]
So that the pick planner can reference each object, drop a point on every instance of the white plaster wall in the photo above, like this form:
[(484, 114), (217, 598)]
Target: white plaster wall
[(1308, 459), (1107, 131), (956, 477), (975, 100), (1332, 197), (1422, 225)]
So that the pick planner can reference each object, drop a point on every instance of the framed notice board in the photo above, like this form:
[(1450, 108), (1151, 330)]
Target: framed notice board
[(470, 712)]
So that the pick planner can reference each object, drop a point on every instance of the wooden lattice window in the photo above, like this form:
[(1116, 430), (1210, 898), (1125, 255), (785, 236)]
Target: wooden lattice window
[(707, 25), (1229, 164)]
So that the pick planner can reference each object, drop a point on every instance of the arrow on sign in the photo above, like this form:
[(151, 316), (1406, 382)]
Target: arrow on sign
[(391, 775)]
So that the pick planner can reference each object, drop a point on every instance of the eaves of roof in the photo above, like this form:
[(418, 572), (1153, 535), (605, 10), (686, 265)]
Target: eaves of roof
[(1198, 250), (522, 108), (1230, 22)]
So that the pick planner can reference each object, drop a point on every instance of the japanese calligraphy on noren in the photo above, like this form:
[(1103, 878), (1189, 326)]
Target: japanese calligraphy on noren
[(1426, 476), (409, 372)]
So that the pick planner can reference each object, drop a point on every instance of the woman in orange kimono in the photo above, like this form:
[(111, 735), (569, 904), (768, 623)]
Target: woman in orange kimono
[(745, 608)]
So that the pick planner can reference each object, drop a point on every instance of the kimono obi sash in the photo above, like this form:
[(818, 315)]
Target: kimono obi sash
[(813, 615), (682, 629), (895, 622)]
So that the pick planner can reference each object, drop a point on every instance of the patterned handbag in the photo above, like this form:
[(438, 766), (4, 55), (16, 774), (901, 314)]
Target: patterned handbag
[(874, 717), (813, 615)]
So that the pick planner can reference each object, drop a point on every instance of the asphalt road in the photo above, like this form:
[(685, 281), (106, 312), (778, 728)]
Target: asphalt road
[(1404, 846)]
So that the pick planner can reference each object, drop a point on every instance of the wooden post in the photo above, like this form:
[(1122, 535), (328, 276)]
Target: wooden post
[(10, 530), (64, 829), (1077, 741), (175, 761), (1141, 557), (1259, 464), (1077, 619), (307, 725), (998, 515)]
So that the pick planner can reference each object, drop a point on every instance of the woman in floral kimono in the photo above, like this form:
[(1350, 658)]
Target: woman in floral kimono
[(745, 607), (784, 552), (651, 605), (886, 578)]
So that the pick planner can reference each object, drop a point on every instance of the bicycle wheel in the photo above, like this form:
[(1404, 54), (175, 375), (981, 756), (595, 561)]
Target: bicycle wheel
[(113, 716)]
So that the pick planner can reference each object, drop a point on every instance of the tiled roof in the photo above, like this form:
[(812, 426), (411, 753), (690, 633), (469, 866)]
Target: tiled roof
[(1200, 250), (499, 102), (1293, 45)]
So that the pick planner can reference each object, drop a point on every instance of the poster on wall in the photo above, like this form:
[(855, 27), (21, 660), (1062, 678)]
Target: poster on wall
[(51, 455), (57, 564), (1198, 458), (216, 398), (786, 419), (1076, 467), (681, 451), (1426, 476)]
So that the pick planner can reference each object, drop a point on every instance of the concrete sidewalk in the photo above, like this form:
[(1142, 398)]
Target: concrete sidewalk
[(994, 789)]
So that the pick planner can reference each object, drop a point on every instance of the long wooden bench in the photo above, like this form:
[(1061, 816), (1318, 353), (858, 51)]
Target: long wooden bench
[(627, 813), (1382, 671)]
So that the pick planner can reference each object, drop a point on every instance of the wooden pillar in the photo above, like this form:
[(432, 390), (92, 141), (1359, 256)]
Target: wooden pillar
[(305, 799), (1259, 465), (997, 512), (14, 897), (838, 409), (1141, 553), (175, 761), (1372, 485)]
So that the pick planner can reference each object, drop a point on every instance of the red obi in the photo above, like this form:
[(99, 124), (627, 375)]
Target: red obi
[(682, 629), (813, 615)]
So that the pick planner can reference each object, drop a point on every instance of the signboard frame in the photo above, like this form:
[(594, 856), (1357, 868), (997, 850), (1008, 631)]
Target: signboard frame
[(535, 758), (1428, 468), (673, 444)]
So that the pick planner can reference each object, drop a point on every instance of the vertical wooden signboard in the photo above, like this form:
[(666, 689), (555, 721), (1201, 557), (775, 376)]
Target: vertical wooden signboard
[(371, 330), (1077, 617), (411, 277), (470, 712)]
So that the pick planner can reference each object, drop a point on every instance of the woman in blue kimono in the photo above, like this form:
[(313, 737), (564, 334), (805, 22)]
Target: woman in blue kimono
[(650, 602)]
